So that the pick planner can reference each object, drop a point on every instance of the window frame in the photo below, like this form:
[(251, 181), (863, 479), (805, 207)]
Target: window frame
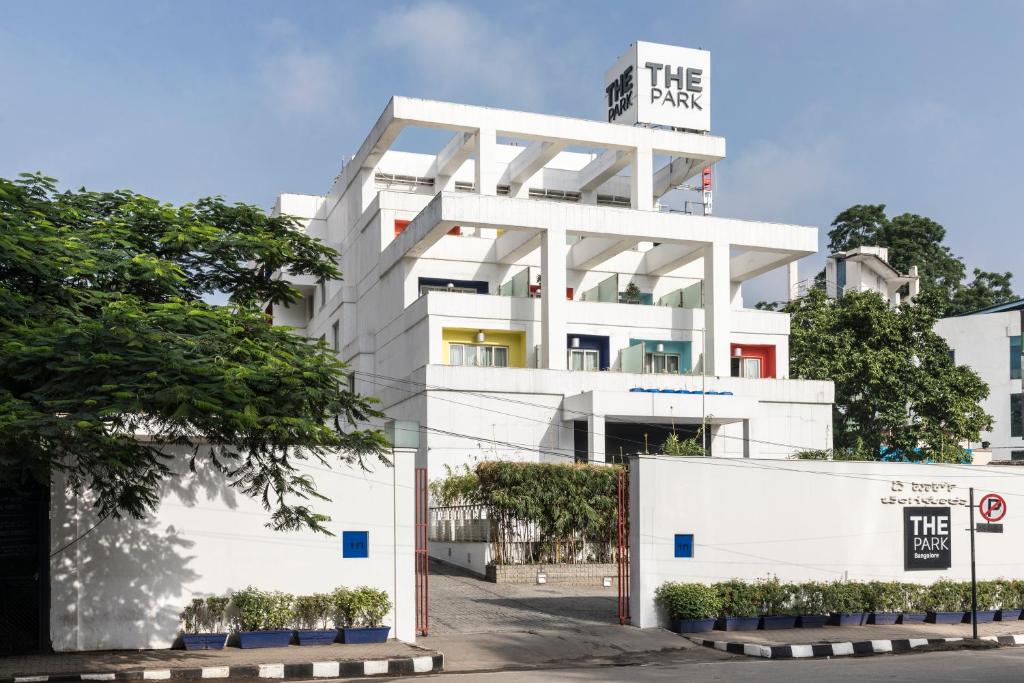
[(584, 353), (478, 351), (649, 358)]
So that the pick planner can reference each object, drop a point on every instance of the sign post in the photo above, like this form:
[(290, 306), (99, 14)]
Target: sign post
[(974, 578)]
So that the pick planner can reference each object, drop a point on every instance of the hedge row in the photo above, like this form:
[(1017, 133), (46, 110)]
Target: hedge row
[(769, 597)]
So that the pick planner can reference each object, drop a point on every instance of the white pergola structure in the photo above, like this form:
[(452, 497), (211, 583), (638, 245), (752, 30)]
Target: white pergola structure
[(732, 250)]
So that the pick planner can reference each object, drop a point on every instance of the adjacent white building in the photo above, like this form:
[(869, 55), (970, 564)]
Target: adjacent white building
[(522, 293), (989, 341), (867, 269)]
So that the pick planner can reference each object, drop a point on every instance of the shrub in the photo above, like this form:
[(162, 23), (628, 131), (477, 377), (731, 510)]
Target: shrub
[(988, 595), (688, 600), (313, 611), (948, 596), (809, 598), (917, 597), (675, 446), (776, 597), (1011, 593), (262, 610), (885, 596), (739, 598), (360, 607), (204, 615), (843, 597)]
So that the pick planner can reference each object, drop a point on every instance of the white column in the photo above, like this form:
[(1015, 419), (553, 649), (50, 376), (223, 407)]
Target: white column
[(486, 162), (642, 180), (643, 556), (794, 279), (717, 311), (595, 438), (588, 197), (552, 271), (404, 539)]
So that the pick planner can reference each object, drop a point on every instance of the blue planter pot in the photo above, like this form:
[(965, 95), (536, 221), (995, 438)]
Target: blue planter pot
[(913, 618), (378, 634), (848, 619), (692, 625), (945, 617), (320, 636), (1008, 614), (811, 621), (254, 639), (737, 623), (984, 616), (778, 621), (883, 618), (204, 641)]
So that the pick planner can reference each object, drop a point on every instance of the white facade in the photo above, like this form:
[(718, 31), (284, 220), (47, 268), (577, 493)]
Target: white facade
[(806, 520), (867, 269), (549, 240), (989, 342)]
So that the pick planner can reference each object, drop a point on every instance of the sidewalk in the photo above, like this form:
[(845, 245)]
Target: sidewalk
[(316, 661), (834, 641)]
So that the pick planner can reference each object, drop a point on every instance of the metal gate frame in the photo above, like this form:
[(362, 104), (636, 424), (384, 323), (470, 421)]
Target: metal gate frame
[(422, 557), (622, 551)]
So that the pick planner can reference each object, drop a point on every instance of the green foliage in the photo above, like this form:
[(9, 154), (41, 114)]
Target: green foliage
[(989, 595), (886, 596), (739, 598), (107, 331), (257, 610), (313, 611), (948, 596), (895, 383), (204, 615), (915, 240), (688, 600), (360, 607), (632, 292), (457, 488), (576, 502), (833, 454), (675, 446), (776, 598), (843, 597), (809, 598)]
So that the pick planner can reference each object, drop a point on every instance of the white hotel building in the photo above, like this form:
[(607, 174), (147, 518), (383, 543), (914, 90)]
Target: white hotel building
[(487, 287)]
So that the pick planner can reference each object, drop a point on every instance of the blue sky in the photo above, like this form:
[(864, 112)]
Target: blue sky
[(918, 105)]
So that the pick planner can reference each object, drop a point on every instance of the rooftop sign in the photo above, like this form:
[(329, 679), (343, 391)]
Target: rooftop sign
[(660, 84)]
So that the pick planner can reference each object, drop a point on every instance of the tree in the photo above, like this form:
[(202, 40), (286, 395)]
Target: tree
[(106, 336), (915, 240), (897, 390)]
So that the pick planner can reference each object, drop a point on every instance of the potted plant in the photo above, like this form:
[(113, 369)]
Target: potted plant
[(202, 624), (809, 604), (632, 293), (741, 605), (946, 601), (312, 614), (1010, 599), (988, 599), (779, 607), (360, 613), (844, 602), (262, 618), (691, 607), (885, 601), (916, 609)]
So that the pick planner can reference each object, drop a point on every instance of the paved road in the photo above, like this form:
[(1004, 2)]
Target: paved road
[(990, 666)]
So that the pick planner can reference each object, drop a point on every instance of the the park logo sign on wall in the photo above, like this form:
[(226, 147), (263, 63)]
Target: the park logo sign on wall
[(662, 85), (926, 538)]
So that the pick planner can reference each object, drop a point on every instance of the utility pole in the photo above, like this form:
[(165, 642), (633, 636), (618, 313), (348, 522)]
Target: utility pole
[(974, 578)]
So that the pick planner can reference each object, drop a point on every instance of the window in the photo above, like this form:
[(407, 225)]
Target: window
[(1015, 357), (661, 363), (1016, 415), (583, 359), (438, 288), (310, 306), (746, 367), (1016, 455), (335, 336), (322, 288), (952, 355), (478, 355)]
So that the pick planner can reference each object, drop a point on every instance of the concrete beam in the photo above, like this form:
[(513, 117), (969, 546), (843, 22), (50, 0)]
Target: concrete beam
[(529, 161), (593, 251), (591, 176), (754, 262), (453, 155), (664, 258), (676, 172), (515, 245)]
